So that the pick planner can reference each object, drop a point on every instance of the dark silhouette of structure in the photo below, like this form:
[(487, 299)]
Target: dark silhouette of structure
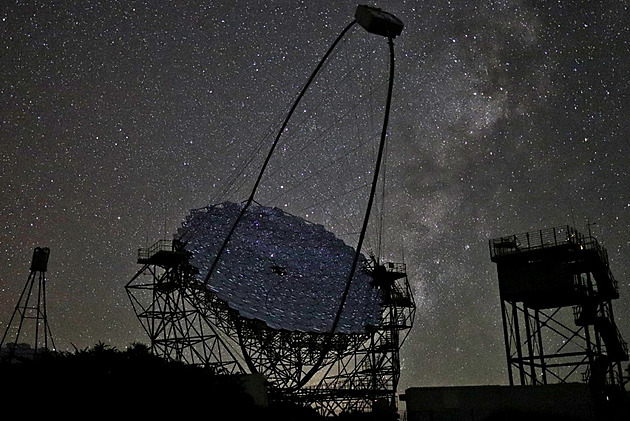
[(556, 290), (564, 351), (171, 305), (333, 372), (188, 323), (31, 310), (551, 402)]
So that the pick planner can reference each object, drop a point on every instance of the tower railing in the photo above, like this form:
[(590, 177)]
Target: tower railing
[(533, 240), (160, 245), (552, 237)]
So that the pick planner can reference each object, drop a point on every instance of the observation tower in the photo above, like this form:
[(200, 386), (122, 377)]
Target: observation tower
[(253, 287), (30, 318), (556, 291)]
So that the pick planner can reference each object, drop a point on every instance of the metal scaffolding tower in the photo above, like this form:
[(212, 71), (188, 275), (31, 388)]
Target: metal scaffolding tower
[(31, 309), (556, 291), (170, 303)]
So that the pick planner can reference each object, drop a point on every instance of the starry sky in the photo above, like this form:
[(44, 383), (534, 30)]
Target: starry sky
[(118, 118)]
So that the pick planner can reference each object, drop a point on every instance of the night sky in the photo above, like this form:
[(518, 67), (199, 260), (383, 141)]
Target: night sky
[(118, 118)]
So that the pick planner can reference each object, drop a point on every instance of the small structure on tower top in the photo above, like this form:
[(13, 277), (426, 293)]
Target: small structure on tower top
[(29, 320)]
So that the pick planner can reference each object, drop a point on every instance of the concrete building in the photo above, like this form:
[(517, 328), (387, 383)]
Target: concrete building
[(568, 401)]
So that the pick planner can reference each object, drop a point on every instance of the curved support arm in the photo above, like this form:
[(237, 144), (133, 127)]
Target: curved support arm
[(328, 342), (273, 147)]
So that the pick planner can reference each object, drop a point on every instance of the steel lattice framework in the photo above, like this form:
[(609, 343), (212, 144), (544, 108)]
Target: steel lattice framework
[(334, 371), (166, 298), (343, 373), (31, 309), (556, 298)]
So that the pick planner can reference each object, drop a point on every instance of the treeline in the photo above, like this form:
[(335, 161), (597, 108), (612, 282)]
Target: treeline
[(105, 382)]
